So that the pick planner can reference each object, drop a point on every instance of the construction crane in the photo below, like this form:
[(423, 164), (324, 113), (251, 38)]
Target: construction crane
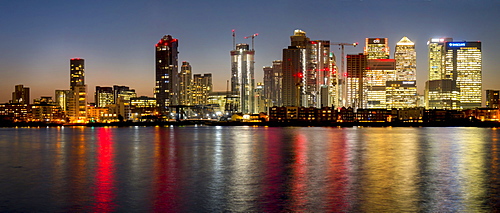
[(234, 39), (342, 69), (252, 36)]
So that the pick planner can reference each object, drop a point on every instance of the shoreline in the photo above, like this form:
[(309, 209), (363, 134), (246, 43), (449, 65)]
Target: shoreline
[(265, 124)]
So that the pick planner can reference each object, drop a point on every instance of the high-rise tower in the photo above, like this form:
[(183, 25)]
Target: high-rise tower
[(77, 104), (455, 74), (77, 72), (307, 72), (376, 48), (406, 60), (463, 62), (166, 89), (242, 77), (185, 84), (355, 70)]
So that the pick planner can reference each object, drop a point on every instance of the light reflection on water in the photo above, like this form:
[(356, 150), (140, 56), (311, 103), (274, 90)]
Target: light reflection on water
[(247, 169)]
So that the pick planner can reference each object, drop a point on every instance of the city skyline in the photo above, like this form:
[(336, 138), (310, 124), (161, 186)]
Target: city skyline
[(36, 46)]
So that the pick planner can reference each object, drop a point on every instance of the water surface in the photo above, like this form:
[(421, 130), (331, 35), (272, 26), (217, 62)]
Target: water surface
[(247, 169)]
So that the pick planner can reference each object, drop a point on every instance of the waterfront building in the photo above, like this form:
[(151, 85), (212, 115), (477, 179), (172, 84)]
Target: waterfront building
[(441, 94), (376, 48), (273, 77), (99, 115), (201, 88), (185, 84), (103, 96), (492, 98), (77, 104), (21, 95), (355, 71), (226, 101), (401, 94), (293, 68), (166, 88), (62, 98), (376, 74), (44, 109), (463, 62), (307, 72), (458, 64), (242, 77), (142, 108), (406, 60), (15, 112), (260, 103)]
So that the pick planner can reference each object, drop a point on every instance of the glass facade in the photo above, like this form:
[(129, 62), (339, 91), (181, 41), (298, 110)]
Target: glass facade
[(242, 77)]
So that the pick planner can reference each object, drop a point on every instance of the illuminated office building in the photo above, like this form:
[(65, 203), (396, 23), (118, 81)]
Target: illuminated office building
[(166, 89), (21, 95), (376, 74), (77, 104), (242, 77), (62, 97), (457, 69), (185, 84), (401, 94), (441, 94), (201, 88), (406, 60), (436, 58), (376, 48), (492, 98), (77, 72), (355, 70), (103, 96), (463, 62)]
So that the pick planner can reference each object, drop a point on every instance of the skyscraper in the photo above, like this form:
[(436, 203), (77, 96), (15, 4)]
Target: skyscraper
[(293, 68), (463, 62), (77, 104), (402, 93), (77, 72), (166, 89), (355, 71), (242, 77), (307, 72), (406, 60), (21, 95), (273, 84), (185, 84), (376, 48), (201, 88), (376, 75), (459, 65)]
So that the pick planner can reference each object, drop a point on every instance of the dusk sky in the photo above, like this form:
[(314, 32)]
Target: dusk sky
[(117, 38)]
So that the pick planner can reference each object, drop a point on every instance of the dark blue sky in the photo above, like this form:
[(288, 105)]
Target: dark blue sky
[(117, 38)]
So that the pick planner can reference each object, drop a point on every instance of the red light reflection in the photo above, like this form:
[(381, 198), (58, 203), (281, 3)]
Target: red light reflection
[(104, 181), (299, 174)]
